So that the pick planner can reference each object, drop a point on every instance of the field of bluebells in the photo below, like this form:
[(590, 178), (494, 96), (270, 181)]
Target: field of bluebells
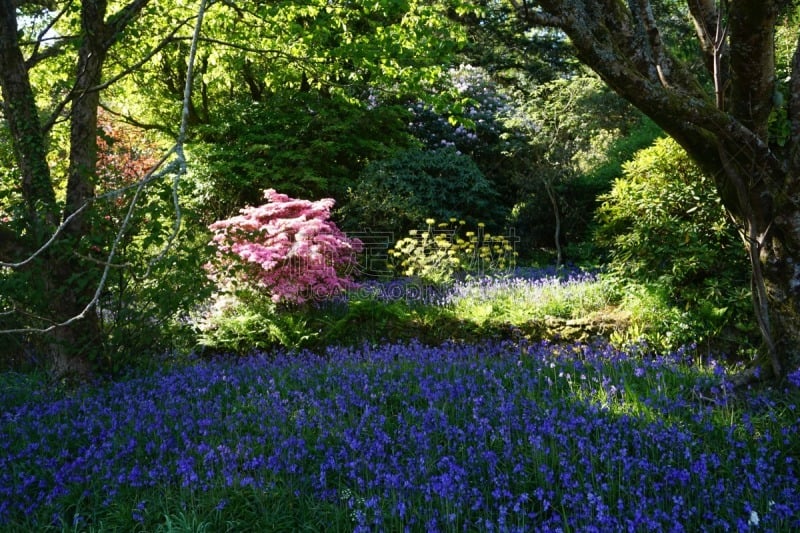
[(495, 436)]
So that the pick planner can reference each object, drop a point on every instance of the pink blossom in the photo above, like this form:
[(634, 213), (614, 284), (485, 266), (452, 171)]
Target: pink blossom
[(287, 247)]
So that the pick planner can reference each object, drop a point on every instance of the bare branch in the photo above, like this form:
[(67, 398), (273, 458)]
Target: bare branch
[(720, 68), (108, 263), (30, 62)]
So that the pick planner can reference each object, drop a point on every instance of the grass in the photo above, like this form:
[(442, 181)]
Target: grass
[(518, 300), (393, 436), (474, 309)]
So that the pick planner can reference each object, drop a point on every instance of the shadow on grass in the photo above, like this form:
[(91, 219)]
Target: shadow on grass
[(372, 321)]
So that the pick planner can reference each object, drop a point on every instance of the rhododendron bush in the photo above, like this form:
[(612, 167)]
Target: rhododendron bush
[(287, 247)]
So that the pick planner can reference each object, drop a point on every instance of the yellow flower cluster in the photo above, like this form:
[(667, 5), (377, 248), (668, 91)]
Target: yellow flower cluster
[(445, 249)]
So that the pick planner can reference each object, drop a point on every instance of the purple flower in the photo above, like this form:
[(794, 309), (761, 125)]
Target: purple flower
[(794, 378), (458, 436), (138, 512)]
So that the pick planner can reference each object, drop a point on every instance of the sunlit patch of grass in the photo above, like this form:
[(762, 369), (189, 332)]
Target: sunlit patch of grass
[(520, 300)]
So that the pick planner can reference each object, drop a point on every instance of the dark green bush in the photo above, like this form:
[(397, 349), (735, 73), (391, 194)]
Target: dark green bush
[(534, 219), (307, 145), (396, 194)]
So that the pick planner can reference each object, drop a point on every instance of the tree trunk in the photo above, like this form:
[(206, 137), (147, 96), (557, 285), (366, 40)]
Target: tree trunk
[(73, 345), (19, 109), (551, 193), (777, 260), (68, 282)]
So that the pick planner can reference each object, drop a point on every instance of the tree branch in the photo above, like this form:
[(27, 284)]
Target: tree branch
[(649, 39), (147, 57), (711, 32), (52, 50), (133, 122), (55, 116), (244, 48), (535, 16), (121, 19), (146, 179), (31, 62)]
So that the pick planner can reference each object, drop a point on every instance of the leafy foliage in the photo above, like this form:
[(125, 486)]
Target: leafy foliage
[(153, 282), (246, 321), (150, 283), (567, 140), (664, 225), (15, 350), (306, 144), (394, 194), (288, 248), (472, 122)]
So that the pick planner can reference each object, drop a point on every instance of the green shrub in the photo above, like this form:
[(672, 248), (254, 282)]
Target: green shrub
[(370, 320), (393, 195), (242, 320), (306, 145), (667, 231)]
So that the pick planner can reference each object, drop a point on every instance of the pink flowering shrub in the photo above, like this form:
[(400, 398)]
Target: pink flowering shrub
[(287, 247)]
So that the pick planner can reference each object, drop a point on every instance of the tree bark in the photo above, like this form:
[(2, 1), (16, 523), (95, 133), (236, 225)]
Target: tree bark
[(72, 345), (721, 119), (19, 108)]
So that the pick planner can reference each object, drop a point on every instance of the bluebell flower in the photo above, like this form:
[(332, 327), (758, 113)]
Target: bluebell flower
[(794, 378)]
